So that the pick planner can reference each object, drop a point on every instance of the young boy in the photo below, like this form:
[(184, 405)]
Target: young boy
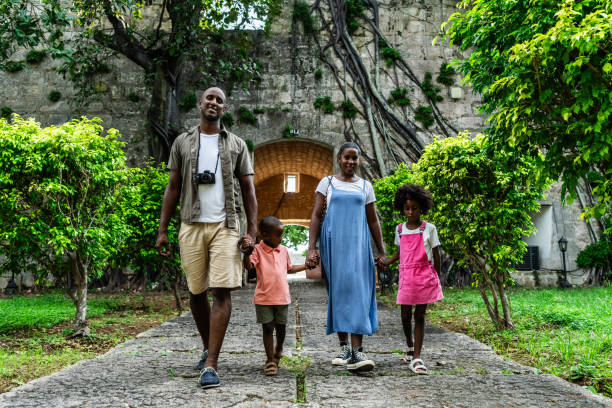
[(271, 260)]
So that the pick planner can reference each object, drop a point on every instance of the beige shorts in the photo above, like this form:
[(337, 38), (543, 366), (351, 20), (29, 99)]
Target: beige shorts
[(210, 256)]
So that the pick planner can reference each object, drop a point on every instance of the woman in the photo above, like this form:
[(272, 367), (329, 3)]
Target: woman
[(346, 255)]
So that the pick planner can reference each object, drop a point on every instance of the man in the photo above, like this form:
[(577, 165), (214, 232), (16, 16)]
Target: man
[(209, 170)]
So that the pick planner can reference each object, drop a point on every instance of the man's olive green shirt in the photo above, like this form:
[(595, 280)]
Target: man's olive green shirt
[(235, 162)]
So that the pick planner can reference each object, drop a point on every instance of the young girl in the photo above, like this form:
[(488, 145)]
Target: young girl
[(418, 280)]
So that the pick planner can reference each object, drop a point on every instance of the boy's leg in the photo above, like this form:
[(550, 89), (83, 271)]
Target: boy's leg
[(419, 329), (219, 318), (280, 340), (406, 311), (268, 340)]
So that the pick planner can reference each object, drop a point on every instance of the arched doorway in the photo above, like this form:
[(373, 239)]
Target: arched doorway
[(286, 175)]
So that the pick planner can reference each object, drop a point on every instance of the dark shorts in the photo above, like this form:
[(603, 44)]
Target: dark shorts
[(272, 313)]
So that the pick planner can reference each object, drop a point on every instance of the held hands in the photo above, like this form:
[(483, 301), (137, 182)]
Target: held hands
[(246, 243), (380, 261), (312, 258)]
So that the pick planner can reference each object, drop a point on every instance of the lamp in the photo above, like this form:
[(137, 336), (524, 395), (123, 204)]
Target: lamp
[(294, 132), (563, 247)]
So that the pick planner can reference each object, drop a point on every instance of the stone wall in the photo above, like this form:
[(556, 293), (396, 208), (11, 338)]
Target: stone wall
[(285, 95)]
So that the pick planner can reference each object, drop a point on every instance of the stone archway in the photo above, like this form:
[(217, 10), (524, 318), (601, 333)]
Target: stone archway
[(274, 162)]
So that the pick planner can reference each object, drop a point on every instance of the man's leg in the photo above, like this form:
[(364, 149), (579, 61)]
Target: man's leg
[(219, 319), (200, 309)]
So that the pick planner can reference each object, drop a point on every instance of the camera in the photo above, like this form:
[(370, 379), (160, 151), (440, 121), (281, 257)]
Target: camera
[(206, 177)]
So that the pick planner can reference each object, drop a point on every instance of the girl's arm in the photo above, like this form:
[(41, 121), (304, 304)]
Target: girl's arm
[(436, 258), (297, 268), (312, 256), (392, 259), (376, 232)]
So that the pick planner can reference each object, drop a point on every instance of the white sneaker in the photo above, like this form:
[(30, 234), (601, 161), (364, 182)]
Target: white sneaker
[(343, 356)]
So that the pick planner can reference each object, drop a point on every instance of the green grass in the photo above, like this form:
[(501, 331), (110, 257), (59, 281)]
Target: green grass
[(567, 333), (20, 312)]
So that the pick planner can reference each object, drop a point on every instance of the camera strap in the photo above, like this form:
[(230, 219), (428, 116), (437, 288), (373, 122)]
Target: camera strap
[(217, 165), (198, 153)]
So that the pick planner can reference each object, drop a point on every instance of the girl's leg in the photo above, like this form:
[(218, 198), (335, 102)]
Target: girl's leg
[(280, 340), (407, 324), (356, 340), (419, 329)]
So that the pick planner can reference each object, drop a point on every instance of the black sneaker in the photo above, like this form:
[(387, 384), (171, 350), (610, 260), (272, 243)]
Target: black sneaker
[(203, 358), (209, 378), (343, 356), (359, 362)]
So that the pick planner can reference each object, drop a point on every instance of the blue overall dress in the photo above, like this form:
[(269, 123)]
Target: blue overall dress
[(348, 264)]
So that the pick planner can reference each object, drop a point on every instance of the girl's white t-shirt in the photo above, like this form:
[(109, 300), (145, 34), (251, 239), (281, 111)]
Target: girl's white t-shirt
[(324, 188), (430, 238), (212, 196)]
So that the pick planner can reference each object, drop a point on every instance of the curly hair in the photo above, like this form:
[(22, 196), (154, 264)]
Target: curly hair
[(413, 192)]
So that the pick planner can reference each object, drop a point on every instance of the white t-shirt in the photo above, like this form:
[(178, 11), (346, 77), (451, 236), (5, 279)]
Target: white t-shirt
[(212, 197), (430, 238), (325, 188)]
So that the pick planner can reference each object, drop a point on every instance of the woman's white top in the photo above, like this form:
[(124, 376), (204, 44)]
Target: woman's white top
[(430, 238), (324, 188)]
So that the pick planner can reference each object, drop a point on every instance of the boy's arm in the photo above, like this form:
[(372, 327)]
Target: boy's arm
[(246, 262), (297, 268), (436, 258)]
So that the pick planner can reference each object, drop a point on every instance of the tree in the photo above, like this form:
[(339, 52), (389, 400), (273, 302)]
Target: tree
[(544, 70), (295, 235), (483, 197), (140, 207), (173, 32), (59, 188)]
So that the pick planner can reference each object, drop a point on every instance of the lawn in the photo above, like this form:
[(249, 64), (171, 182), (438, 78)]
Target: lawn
[(33, 330), (567, 333)]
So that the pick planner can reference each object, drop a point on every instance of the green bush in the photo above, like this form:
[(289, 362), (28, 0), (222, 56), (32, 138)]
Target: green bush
[(6, 112), (301, 12), (259, 110), (54, 96), (58, 195), (348, 109), (287, 131), (385, 189), (599, 257), (400, 96), (446, 75), (35, 56), (430, 90), (246, 116), (133, 97), (250, 145), (324, 103), (390, 54), (227, 119), (424, 114), (354, 11), (188, 102), (13, 66)]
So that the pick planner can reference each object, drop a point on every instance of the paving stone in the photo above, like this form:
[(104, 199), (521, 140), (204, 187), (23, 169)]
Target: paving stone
[(157, 369)]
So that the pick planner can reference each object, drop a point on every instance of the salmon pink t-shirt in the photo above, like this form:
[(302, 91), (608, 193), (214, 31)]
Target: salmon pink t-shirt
[(272, 265)]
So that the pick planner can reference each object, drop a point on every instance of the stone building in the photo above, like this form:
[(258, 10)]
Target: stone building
[(283, 100)]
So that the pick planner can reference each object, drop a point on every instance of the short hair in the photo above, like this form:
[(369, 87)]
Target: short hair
[(413, 192), (348, 145), (267, 223)]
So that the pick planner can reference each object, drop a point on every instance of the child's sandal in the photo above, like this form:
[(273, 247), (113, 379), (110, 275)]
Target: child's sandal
[(271, 368), (409, 354), (418, 369)]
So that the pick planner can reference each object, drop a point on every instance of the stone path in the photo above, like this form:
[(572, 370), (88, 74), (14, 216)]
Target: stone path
[(157, 370)]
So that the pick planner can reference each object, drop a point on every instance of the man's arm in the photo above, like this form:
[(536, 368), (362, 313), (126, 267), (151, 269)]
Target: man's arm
[(171, 198), (250, 206)]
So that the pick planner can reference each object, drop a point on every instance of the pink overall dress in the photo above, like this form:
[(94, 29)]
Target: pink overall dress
[(418, 281)]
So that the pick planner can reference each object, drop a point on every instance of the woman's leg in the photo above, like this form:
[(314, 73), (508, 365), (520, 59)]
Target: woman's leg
[(407, 324), (419, 329), (356, 340), (343, 337)]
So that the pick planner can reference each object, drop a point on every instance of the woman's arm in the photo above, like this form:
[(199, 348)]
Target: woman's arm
[(312, 257), (376, 232)]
